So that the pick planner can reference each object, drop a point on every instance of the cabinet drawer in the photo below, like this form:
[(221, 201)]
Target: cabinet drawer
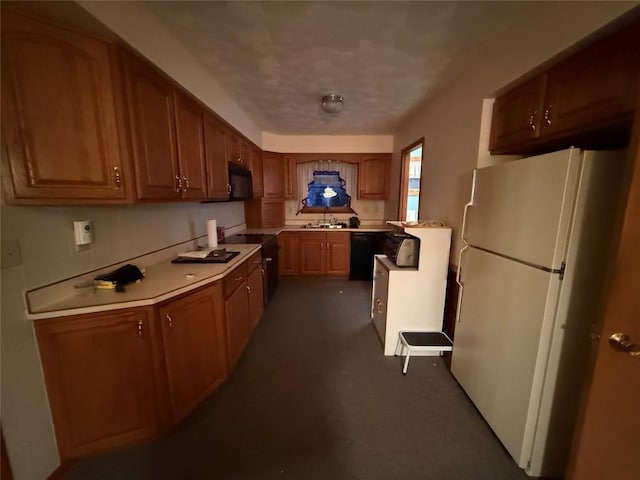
[(254, 261), (234, 279)]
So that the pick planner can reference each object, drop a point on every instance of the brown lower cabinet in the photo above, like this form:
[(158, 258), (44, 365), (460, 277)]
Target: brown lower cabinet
[(104, 377), (243, 305), (121, 377), (323, 253), (193, 336), (288, 253)]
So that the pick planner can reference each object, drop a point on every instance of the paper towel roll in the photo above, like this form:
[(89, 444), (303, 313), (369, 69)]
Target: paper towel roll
[(212, 232)]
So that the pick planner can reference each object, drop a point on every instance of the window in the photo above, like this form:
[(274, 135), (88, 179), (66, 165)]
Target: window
[(410, 182), (325, 186)]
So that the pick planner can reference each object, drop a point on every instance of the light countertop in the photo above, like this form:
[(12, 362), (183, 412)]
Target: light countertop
[(163, 281), (301, 228)]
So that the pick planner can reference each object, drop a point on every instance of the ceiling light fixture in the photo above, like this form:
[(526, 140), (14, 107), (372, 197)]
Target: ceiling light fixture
[(332, 103)]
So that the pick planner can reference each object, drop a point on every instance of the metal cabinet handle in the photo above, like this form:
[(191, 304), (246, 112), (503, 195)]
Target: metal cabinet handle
[(116, 174), (248, 289), (379, 306), (547, 115), (532, 121), (228, 188), (185, 181), (179, 182), (268, 259), (620, 342), (170, 320), (140, 323)]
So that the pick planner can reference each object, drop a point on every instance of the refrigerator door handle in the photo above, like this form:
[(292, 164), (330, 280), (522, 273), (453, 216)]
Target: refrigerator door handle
[(467, 206), (459, 282)]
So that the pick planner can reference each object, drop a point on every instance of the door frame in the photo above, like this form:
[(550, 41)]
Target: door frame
[(598, 415), (404, 180)]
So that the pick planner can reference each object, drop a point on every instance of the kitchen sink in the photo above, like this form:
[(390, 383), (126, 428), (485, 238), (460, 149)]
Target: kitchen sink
[(325, 225)]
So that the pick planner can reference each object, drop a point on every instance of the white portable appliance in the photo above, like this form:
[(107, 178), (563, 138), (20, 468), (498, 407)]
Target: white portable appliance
[(537, 235)]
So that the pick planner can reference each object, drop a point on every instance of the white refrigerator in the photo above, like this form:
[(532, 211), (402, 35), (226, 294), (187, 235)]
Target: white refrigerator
[(538, 236)]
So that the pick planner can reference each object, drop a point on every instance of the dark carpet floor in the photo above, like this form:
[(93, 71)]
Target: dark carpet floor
[(314, 398)]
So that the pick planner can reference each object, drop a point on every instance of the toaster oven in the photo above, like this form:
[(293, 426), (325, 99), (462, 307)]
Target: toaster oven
[(402, 249)]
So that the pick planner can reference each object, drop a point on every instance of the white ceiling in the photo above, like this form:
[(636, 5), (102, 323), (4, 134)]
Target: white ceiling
[(277, 59)]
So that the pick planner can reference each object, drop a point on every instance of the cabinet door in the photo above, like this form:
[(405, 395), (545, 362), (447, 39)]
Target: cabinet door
[(256, 296), (594, 87), (256, 171), (59, 119), (338, 251), (379, 299), (216, 138), (101, 372), (194, 347), (291, 177), (238, 324), (288, 253), (152, 121), (272, 213), (238, 149), (373, 177), (273, 175), (312, 253), (517, 114), (190, 142)]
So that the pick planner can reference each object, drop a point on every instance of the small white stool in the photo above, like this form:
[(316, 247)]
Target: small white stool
[(421, 342)]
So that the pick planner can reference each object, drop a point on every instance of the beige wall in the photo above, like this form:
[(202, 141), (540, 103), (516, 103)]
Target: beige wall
[(452, 122)]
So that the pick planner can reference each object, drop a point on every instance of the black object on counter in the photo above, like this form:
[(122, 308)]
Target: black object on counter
[(224, 258), (120, 277), (354, 222)]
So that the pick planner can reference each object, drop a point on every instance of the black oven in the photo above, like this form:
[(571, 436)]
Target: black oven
[(269, 258)]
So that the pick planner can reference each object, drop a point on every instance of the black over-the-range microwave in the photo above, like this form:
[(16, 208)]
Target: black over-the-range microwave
[(240, 182)]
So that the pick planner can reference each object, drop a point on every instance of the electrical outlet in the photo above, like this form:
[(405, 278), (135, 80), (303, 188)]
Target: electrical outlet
[(11, 255)]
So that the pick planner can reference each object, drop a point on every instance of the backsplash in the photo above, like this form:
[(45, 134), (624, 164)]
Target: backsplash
[(370, 212), (45, 234)]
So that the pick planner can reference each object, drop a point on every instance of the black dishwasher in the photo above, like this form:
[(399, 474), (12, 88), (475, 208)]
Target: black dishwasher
[(364, 245)]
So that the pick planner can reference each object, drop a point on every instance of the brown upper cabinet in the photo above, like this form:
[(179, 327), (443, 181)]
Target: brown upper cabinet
[(61, 135), (167, 136), (216, 140), (273, 175), (238, 149), (373, 177), (591, 90), (191, 152), (255, 160), (517, 114), (290, 177)]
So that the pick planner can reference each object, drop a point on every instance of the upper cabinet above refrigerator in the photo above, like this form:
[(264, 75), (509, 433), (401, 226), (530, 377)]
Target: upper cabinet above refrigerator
[(586, 98)]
